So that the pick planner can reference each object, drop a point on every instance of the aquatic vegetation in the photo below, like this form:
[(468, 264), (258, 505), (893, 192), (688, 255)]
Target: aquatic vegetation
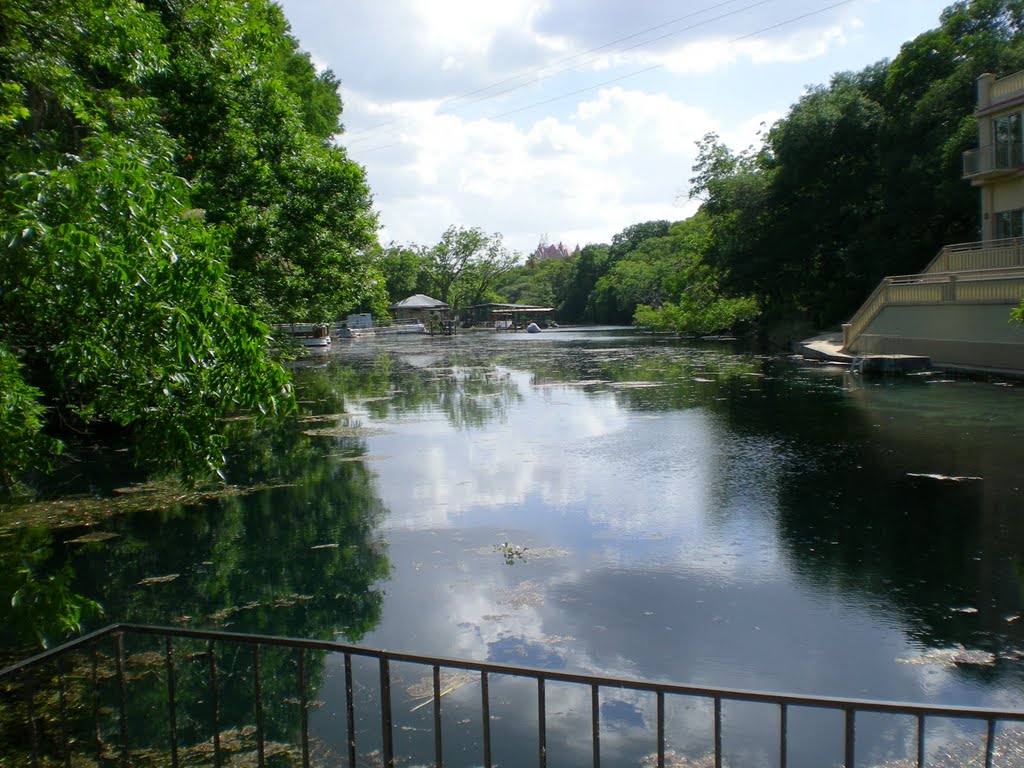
[(951, 657), (524, 595), (71, 512), (511, 552)]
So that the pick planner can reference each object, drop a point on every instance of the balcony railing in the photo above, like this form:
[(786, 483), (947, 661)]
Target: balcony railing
[(982, 286), (130, 694), (981, 255), (993, 160), (1007, 86)]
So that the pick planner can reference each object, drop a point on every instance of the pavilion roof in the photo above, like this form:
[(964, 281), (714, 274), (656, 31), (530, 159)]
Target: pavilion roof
[(419, 301)]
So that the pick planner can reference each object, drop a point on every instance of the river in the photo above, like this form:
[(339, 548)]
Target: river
[(595, 501)]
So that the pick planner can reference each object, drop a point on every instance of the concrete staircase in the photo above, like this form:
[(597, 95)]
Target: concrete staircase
[(956, 312)]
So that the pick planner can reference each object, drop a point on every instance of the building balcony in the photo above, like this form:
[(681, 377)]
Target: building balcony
[(993, 161), (1008, 87)]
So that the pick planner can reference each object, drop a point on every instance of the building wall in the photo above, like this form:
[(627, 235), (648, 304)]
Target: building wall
[(952, 322), (970, 336), (1004, 193), (1008, 195)]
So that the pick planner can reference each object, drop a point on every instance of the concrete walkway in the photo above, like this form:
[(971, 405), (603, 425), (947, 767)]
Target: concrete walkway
[(824, 346), (828, 347)]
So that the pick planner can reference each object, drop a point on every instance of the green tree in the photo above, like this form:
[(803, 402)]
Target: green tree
[(669, 285), (540, 282), (252, 120), (22, 419), (862, 178), (464, 266), (115, 296), (401, 268), (585, 269)]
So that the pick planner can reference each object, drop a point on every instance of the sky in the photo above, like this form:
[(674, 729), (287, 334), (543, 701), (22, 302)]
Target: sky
[(570, 120)]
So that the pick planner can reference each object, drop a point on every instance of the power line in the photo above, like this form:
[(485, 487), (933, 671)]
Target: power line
[(525, 73), (640, 71), (790, 21), (629, 48)]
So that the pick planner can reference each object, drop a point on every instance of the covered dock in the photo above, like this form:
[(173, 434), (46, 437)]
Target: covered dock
[(507, 317)]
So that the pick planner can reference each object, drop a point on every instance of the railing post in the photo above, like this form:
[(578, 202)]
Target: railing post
[(438, 747), (303, 708), (64, 732), (350, 711), (97, 731), (851, 738), (783, 734), (949, 290), (30, 701), (122, 689), (542, 728), (386, 730), (661, 729), (718, 732), (172, 705), (920, 740), (214, 701), (485, 715), (257, 692)]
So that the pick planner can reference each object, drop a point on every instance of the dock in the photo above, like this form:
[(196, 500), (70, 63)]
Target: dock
[(828, 347)]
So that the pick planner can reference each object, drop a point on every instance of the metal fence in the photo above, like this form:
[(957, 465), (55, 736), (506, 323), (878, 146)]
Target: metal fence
[(78, 704)]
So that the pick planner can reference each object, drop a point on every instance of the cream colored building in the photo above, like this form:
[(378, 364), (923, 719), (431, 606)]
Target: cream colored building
[(996, 167), (956, 311)]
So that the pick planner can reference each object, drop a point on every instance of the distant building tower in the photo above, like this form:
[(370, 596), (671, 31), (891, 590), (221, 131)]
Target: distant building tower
[(556, 252)]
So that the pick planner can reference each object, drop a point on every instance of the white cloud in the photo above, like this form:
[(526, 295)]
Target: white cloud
[(620, 157), (467, 27), (461, 112)]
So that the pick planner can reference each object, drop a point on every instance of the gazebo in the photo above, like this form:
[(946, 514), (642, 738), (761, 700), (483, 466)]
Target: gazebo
[(434, 314), (419, 307)]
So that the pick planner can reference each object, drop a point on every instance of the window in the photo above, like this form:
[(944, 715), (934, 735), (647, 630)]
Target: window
[(1007, 136), (1010, 224)]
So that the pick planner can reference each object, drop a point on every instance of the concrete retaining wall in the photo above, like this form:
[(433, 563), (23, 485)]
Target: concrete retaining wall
[(976, 336)]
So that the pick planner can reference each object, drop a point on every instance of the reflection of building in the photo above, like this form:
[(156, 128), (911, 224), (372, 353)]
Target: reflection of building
[(957, 311)]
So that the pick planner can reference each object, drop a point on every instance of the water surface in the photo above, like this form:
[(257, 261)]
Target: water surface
[(606, 502)]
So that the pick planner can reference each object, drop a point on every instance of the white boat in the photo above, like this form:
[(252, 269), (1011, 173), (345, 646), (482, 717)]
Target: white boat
[(355, 330), (306, 334)]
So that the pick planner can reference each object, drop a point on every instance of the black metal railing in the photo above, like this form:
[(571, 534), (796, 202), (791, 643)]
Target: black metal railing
[(82, 700)]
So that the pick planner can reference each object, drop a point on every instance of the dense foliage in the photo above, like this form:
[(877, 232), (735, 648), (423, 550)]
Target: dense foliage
[(169, 187), (863, 177)]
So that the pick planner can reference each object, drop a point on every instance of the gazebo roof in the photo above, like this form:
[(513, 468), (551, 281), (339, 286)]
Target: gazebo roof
[(419, 301)]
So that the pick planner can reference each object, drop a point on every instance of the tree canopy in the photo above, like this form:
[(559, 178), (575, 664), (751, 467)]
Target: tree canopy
[(863, 177), (170, 186)]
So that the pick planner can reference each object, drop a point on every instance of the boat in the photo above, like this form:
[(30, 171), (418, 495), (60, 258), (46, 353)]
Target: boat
[(533, 328), (357, 327), (306, 334)]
